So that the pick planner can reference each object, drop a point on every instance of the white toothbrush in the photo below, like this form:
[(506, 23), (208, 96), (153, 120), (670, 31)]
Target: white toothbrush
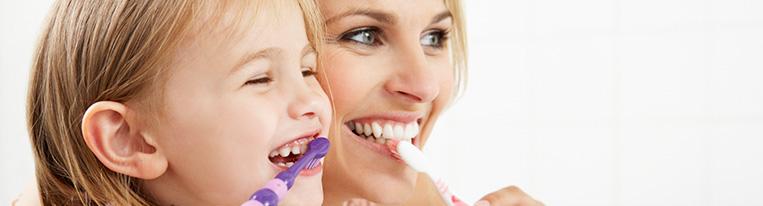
[(416, 159)]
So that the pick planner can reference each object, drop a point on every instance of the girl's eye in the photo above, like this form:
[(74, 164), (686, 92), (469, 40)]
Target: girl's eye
[(308, 73), (366, 36), (257, 81), (434, 39)]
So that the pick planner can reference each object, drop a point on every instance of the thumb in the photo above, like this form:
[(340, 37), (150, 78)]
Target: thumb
[(482, 203)]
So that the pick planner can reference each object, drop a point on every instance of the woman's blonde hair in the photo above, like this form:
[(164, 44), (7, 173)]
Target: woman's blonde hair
[(458, 49), (92, 51)]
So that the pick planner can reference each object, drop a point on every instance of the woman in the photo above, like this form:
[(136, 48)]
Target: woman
[(391, 68)]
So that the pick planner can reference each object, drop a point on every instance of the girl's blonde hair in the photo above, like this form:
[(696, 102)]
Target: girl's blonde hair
[(92, 51)]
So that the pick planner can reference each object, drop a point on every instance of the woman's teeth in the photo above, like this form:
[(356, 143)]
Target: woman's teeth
[(379, 133), (287, 154)]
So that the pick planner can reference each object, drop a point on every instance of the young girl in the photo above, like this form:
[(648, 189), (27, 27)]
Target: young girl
[(175, 102)]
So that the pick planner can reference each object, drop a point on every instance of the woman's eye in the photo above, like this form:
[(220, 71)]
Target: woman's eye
[(367, 36), (433, 39), (262, 80)]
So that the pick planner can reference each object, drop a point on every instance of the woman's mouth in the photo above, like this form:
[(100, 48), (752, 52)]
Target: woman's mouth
[(286, 155), (375, 132)]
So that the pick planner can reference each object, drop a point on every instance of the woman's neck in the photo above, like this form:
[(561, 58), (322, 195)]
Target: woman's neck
[(426, 193)]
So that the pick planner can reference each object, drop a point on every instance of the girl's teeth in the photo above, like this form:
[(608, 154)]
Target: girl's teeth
[(376, 129), (273, 153), (388, 132), (367, 129), (284, 152), (295, 149)]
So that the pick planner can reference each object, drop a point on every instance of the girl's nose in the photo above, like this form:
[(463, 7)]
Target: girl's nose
[(307, 102)]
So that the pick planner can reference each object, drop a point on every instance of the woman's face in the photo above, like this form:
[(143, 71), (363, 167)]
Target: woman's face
[(388, 70), (238, 109)]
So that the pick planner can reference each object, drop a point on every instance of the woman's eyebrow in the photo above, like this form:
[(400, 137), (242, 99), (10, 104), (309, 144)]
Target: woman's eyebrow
[(380, 16), (384, 17), (441, 16)]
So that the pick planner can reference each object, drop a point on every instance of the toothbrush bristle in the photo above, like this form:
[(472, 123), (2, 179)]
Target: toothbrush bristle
[(312, 164)]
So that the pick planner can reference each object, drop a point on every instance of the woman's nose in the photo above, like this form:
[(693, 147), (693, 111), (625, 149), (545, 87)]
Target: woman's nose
[(414, 79)]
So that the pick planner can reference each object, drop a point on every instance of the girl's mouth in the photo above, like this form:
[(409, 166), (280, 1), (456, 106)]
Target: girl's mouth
[(286, 155)]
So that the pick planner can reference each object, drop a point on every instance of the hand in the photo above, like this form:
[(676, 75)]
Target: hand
[(358, 202), (509, 196)]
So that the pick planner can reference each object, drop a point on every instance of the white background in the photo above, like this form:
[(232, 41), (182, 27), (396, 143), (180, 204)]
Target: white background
[(587, 102)]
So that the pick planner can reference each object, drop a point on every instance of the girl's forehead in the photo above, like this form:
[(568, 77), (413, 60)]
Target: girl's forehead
[(227, 22), (231, 33)]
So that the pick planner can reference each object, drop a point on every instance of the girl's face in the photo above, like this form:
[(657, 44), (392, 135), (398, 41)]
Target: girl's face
[(234, 104), (389, 70)]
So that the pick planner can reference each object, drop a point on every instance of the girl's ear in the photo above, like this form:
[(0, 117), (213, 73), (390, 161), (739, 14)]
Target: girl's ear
[(119, 142)]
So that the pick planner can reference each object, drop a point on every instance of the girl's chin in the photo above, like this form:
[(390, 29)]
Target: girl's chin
[(312, 198), (307, 190)]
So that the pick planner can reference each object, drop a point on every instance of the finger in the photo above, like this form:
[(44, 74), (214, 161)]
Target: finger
[(507, 196), (510, 196), (358, 202)]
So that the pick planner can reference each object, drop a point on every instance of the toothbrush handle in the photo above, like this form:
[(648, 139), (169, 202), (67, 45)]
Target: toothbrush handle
[(276, 188), (442, 189), (449, 198), (268, 195)]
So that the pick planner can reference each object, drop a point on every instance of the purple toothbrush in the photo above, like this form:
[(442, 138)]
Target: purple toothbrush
[(276, 188)]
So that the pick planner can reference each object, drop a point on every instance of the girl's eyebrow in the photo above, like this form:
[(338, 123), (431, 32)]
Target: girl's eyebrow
[(267, 53)]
